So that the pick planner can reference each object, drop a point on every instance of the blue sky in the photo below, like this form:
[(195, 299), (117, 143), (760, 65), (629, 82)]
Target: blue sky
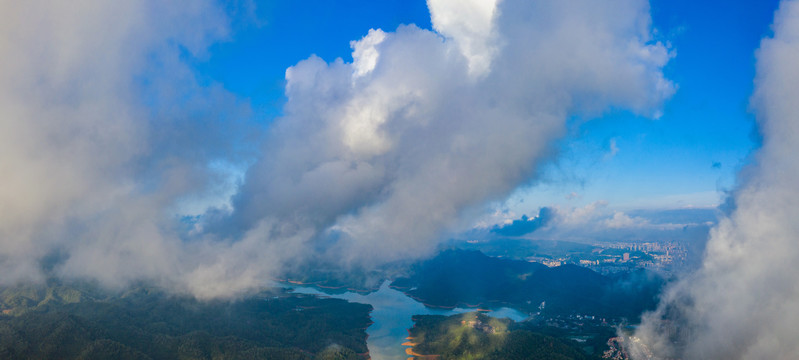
[(253, 62), (116, 117), (686, 158)]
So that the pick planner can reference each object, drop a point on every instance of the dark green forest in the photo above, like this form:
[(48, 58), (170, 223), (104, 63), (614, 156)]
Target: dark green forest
[(472, 279), (81, 322)]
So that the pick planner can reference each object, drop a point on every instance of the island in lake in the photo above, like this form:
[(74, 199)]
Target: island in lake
[(480, 337)]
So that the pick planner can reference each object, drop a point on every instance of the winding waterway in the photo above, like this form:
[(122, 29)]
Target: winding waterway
[(392, 317)]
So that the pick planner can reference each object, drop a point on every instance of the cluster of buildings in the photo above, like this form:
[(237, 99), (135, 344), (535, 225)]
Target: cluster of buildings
[(607, 258)]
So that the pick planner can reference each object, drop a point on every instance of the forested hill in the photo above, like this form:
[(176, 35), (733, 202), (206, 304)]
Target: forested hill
[(479, 337), (66, 322), (472, 279)]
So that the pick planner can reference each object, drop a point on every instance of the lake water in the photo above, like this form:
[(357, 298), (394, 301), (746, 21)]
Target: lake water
[(392, 317)]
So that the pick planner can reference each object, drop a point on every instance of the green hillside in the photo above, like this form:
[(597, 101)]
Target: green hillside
[(77, 322), (475, 336)]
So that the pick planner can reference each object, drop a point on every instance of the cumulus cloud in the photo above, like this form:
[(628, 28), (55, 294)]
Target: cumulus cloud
[(622, 220), (584, 214), (524, 225), (104, 132), (470, 25), (598, 221), (744, 301), (381, 156), (102, 128)]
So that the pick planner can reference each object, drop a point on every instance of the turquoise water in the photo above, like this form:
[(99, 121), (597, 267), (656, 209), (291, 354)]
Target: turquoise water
[(392, 318)]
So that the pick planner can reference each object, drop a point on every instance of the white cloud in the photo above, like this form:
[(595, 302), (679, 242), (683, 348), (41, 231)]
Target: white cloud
[(418, 140), (365, 53), (103, 129), (598, 216), (92, 155), (599, 222), (470, 24), (613, 149), (622, 220), (582, 215), (744, 301)]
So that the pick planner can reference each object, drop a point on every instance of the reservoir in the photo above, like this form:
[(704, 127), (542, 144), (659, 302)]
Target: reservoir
[(392, 317)]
